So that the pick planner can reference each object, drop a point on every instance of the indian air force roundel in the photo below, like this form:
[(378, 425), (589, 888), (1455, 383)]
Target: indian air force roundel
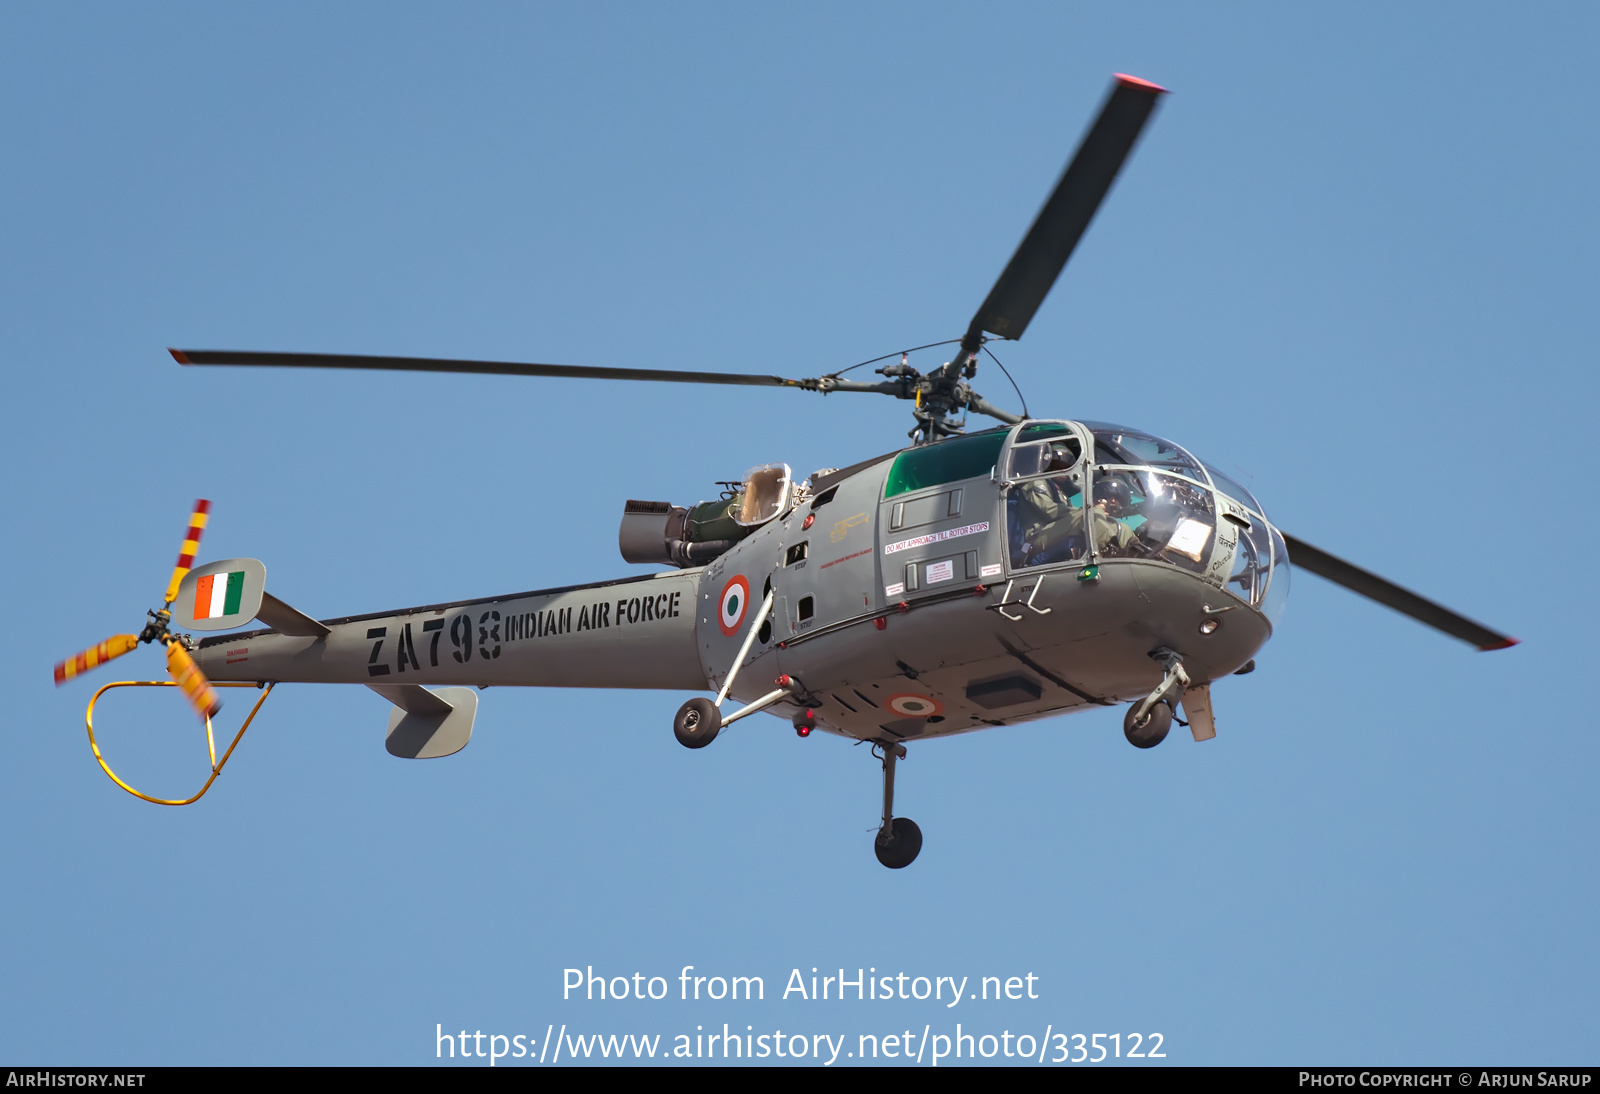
[(915, 706), (735, 604)]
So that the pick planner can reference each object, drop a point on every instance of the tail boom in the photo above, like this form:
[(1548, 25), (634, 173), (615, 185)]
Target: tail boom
[(631, 633)]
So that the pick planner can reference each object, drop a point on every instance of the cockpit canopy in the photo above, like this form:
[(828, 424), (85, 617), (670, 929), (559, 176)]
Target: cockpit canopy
[(1119, 444), (1136, 495)]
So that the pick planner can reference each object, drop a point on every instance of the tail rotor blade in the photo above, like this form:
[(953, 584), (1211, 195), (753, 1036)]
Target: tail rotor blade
[(191, 545), (1043, 252), (196, 688), (115, 646), (1306, 557)]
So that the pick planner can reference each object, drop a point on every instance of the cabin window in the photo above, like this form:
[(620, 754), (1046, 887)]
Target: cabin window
[(948, 461)]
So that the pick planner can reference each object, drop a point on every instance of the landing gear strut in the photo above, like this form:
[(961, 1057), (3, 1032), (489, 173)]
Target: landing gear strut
[(899, 839), (1148, 720), (700, 720)]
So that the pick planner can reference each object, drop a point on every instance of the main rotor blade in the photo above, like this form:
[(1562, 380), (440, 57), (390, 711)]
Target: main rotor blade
[(1387, 593), (446, 364), (1037, 263)]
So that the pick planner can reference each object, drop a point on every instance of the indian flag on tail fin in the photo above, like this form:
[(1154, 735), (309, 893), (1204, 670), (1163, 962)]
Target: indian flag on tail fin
[(217, 595)]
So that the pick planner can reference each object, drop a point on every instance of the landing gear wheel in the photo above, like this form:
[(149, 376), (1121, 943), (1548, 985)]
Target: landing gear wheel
[(697, 723), (899, 847), (1150, 732)]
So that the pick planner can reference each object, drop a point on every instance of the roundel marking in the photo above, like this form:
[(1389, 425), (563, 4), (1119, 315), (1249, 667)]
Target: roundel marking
[(733, 605), (915, 706)]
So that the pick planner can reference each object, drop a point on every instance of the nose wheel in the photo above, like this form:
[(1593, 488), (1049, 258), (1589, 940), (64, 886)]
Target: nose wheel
[(899, 840), (1149, 731), (1148, 720)]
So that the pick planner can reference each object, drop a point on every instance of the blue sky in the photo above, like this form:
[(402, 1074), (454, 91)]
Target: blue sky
[(1351, 263)]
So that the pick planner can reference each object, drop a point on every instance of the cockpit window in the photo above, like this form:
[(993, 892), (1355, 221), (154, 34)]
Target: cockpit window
[(1047, 458), (1233, 488), (1041, 431), (1045, 522), (1134, 447), (1252, 561), (948, 461), (1145, 514)]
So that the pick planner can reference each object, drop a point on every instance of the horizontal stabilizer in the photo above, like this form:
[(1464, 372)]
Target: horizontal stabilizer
[(286, 620), (428, 724), (413, 699)]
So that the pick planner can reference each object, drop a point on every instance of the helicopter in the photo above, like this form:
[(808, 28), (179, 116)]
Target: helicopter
[(965, 581)]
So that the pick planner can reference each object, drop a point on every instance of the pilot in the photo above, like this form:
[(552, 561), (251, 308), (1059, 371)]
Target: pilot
[(1113, 501), (1046, 517), (1052, 527), (1059, 456)]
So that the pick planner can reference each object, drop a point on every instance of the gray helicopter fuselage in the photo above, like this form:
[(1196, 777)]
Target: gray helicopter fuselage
[(908, 599), (971, 580), (916, 611)]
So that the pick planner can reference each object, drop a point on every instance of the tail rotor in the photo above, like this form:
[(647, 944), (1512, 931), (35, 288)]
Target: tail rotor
[(185, 673)]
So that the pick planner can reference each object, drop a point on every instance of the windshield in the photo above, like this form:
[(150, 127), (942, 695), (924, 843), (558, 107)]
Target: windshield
[(1119, 444), (1146, 514), (1233, 488)]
